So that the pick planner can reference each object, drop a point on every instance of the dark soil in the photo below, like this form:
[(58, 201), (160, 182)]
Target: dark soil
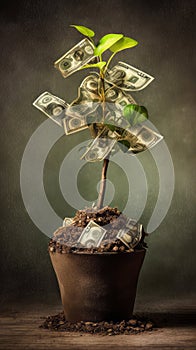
[(133, 326), (65, 238)]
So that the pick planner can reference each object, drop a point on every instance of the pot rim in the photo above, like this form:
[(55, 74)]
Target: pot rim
[(100, 253)]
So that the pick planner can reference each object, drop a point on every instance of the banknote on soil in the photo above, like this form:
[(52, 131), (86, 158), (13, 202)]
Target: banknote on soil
[(92, 235), (127, 77), (131, 234), (75, 58), (53, 106)]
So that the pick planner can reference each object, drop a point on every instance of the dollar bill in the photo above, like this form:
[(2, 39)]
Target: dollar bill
[(114, 117), (127, 77), (92, 235), (139, 137), (53, 106), (75, 58), (86, 108), (74, 124), (100, 148), (146, 136), (89, 103), (119, 97), (67, 222), (131, 234)]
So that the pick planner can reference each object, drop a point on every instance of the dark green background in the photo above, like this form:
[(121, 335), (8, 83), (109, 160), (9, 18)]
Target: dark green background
[(35, 33)]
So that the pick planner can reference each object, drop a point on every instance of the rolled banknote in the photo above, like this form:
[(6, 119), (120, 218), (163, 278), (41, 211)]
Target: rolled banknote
[(131, 234), (90, 105), (100, 148), (127, 77), (75, 58), (85, 108), (53, 106), (92, 235), (67, 222)]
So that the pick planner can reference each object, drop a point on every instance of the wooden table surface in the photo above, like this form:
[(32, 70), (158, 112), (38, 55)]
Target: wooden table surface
[(19, 329)]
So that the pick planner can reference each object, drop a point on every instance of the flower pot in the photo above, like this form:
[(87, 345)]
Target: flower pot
[(97, 286)]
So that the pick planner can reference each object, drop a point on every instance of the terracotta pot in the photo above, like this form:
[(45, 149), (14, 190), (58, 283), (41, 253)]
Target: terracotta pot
[(98, 286)]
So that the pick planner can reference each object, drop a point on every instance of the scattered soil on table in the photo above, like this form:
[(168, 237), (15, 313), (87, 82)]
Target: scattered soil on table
[(133, 326), (65, 239)]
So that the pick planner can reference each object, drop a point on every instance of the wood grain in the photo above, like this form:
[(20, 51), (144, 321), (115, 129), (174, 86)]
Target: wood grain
[(20, 330)]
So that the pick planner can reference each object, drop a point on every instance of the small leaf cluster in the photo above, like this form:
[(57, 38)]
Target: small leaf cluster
[(113, 42)]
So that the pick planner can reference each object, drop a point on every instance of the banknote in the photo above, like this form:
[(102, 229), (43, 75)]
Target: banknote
[(86, 107), (131, 234), (139, 137), (74, 124), (114, 117), (101, 146), (89, 104), (67, 222), (127, 77), (146, 135), (75, 58), (119, 97), (92, 235), (53, 106), (133, 145)]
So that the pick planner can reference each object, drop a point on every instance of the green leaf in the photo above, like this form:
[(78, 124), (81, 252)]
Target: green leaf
[(84, 30), (106, 42), (99, 65), (122, 44), (141, 116), (130, 111), (124, 145), (135, 114)]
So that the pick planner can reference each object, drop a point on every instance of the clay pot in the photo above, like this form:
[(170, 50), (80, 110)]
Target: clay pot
[(98, 286)]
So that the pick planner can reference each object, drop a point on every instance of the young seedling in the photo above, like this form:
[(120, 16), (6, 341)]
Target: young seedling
[(111, 87), (133, 113)]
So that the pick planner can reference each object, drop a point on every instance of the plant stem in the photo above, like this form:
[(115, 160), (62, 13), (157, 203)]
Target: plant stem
[(102, 183), (109, 60)]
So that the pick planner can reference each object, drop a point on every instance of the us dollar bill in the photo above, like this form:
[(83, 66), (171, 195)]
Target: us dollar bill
[(114, 117), (116, 100), (92, 235), (140, 138), (75, 58), (131, 234), (89, 104), (120, 98), (74, 124), (52, 106), (127, 77), (85, 108), (101, 146), (67, 222), (146, 136)]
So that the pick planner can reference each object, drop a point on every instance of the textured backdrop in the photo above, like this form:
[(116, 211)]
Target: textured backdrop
[(35, 33)]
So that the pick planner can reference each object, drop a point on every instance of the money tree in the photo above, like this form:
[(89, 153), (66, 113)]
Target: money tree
[(104, 104)]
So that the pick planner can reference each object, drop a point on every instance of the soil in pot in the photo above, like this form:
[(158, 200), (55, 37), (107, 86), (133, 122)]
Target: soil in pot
[(65, 238)]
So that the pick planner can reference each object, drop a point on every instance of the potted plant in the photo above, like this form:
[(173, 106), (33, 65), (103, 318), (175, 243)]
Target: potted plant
[(98, 254)]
